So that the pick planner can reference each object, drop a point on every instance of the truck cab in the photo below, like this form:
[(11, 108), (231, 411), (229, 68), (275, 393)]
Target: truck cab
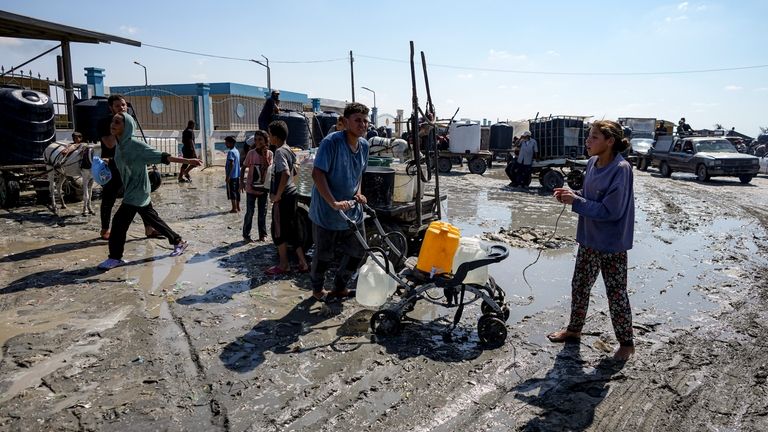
[(706, 157)]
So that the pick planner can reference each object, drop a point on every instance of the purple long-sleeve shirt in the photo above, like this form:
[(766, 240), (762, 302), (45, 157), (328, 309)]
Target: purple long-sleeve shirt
[(606, 207)]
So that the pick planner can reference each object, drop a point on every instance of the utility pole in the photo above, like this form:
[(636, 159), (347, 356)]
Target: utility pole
[(352, 72)]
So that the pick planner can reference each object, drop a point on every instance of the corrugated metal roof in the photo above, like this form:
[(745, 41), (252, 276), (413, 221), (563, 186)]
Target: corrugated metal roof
[(19, 26)]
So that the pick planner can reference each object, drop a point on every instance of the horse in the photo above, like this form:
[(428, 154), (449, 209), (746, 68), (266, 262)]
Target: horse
[(61, 164), (393, 147)]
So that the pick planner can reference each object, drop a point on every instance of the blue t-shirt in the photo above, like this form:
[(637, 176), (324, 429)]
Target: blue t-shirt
[(343, 170), (606, 207), (233, 163)]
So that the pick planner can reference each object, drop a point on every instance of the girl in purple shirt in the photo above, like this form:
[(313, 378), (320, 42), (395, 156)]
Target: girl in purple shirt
[(606, 209)]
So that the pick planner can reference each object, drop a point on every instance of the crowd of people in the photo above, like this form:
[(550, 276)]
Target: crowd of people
[(266, 170)]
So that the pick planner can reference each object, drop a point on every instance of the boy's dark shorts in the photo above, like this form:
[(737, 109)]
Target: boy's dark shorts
[(285, 227), (327, 241), (233, 189)]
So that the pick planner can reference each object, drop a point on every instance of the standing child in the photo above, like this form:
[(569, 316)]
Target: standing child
[(256, 164), (283, 195), (606, 208), (131, 158), (233, 174)]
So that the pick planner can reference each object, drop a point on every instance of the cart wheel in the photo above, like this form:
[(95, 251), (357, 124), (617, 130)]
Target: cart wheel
[(575, 179), (551, 180), (492, 331), (477, 165), (385, 323), (444, 165), (486, 309), (9, 192)]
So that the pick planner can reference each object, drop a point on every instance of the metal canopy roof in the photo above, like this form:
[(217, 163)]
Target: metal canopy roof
[(19, 26)]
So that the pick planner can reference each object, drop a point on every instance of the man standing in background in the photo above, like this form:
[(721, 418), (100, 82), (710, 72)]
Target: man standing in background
[(187, 151), (271, 108), (529, 151)]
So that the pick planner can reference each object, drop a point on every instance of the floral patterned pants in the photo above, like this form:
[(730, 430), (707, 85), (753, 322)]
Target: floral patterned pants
[(590, 263)]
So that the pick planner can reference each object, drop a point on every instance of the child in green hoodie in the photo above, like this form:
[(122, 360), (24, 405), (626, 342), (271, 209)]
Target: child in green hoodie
[(132, 157)]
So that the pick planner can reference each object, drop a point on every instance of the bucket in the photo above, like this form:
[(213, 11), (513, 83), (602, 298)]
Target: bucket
[(378, 183), (438, 248), (405, 185), (375, 161), (471, 249)]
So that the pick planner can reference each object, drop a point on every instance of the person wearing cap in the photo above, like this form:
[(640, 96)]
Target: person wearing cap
[(529, 151), (271, 108)]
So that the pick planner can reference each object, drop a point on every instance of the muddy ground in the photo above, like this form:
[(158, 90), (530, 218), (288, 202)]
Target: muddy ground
[(207, 342)]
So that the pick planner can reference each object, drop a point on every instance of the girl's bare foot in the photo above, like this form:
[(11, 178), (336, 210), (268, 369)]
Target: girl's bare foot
[(564, 336), (624, 353)]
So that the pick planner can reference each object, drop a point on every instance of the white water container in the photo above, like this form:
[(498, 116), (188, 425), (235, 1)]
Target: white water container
[(304, 182), (374, 285), (405, 185), (471, 249), (464, 137)]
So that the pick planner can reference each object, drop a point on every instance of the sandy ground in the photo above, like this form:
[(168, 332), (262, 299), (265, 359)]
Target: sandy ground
[(207, 342)]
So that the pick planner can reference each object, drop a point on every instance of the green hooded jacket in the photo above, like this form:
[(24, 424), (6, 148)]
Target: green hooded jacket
[(132, 157)]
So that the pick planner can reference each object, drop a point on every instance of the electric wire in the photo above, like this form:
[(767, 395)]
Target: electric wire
[(242, 58), (530, 288), (534, 72)]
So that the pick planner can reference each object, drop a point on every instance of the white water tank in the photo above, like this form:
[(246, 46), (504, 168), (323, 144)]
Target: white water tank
[(464, 137), (471, 249)]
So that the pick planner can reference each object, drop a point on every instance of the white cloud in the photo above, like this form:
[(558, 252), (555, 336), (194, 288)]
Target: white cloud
[(705, 104), (199, 77), (553, 53), (450, 101), (464, 76), (494, 55), (10, 42), (201, 61), (701, 8), (761, 89), (732, 87), (129, 29), (682, 6), (677, 18)]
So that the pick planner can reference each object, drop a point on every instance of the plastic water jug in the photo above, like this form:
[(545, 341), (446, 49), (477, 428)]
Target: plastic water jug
[(305, 181), (374, 285), (438, 248), (471, 249)]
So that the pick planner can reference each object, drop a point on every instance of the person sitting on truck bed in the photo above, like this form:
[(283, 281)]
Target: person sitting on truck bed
[(684, 128), (341, 159), (661, 130)]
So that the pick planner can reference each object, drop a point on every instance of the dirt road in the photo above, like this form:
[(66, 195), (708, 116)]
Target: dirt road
[(207, 342)]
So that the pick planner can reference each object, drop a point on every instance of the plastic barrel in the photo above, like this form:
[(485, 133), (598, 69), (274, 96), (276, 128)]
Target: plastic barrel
[(378, 185)]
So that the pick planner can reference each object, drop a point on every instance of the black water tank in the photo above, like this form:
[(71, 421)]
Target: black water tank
[(298, 128), (88, 114), (502, 136), (27, 125), (323, 123)]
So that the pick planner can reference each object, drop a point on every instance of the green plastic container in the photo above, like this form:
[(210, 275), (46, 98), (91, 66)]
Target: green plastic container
[(380, 161)]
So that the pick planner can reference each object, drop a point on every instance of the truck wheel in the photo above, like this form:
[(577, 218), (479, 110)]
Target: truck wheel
[(575, 179), (9, 192), (444, 165), (551, 180), (665, 170), (477, 165), (701, 173), (746, 178)]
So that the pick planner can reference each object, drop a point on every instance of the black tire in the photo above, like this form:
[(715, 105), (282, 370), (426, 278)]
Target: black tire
[(665, 170), (385, 323), (701, 173), (444, 165), (575, 179), (487, 309), (746, 178), (477, 165), (9, 192), (551, 180), (492, 331)]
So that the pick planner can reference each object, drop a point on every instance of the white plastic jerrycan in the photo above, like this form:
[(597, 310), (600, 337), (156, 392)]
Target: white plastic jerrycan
[(374, 285), (471, 249)]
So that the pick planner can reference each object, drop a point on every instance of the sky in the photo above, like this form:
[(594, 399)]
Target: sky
[(505, 60)]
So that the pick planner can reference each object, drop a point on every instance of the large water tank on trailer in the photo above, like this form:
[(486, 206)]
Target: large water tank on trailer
[(323, 123), (464, 137), (502, 136), (27, 125), (88, 114), (298, 128)]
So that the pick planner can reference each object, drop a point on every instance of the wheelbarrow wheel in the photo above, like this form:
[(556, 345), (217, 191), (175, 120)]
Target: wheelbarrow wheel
[(486, 309), (492, 331), (385, 323)]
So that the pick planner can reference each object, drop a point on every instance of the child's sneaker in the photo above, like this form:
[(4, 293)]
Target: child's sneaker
[(110, 263), (179, 248)]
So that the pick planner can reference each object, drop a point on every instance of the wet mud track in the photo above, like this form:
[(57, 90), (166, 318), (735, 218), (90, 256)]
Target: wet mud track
[(207, 342)]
